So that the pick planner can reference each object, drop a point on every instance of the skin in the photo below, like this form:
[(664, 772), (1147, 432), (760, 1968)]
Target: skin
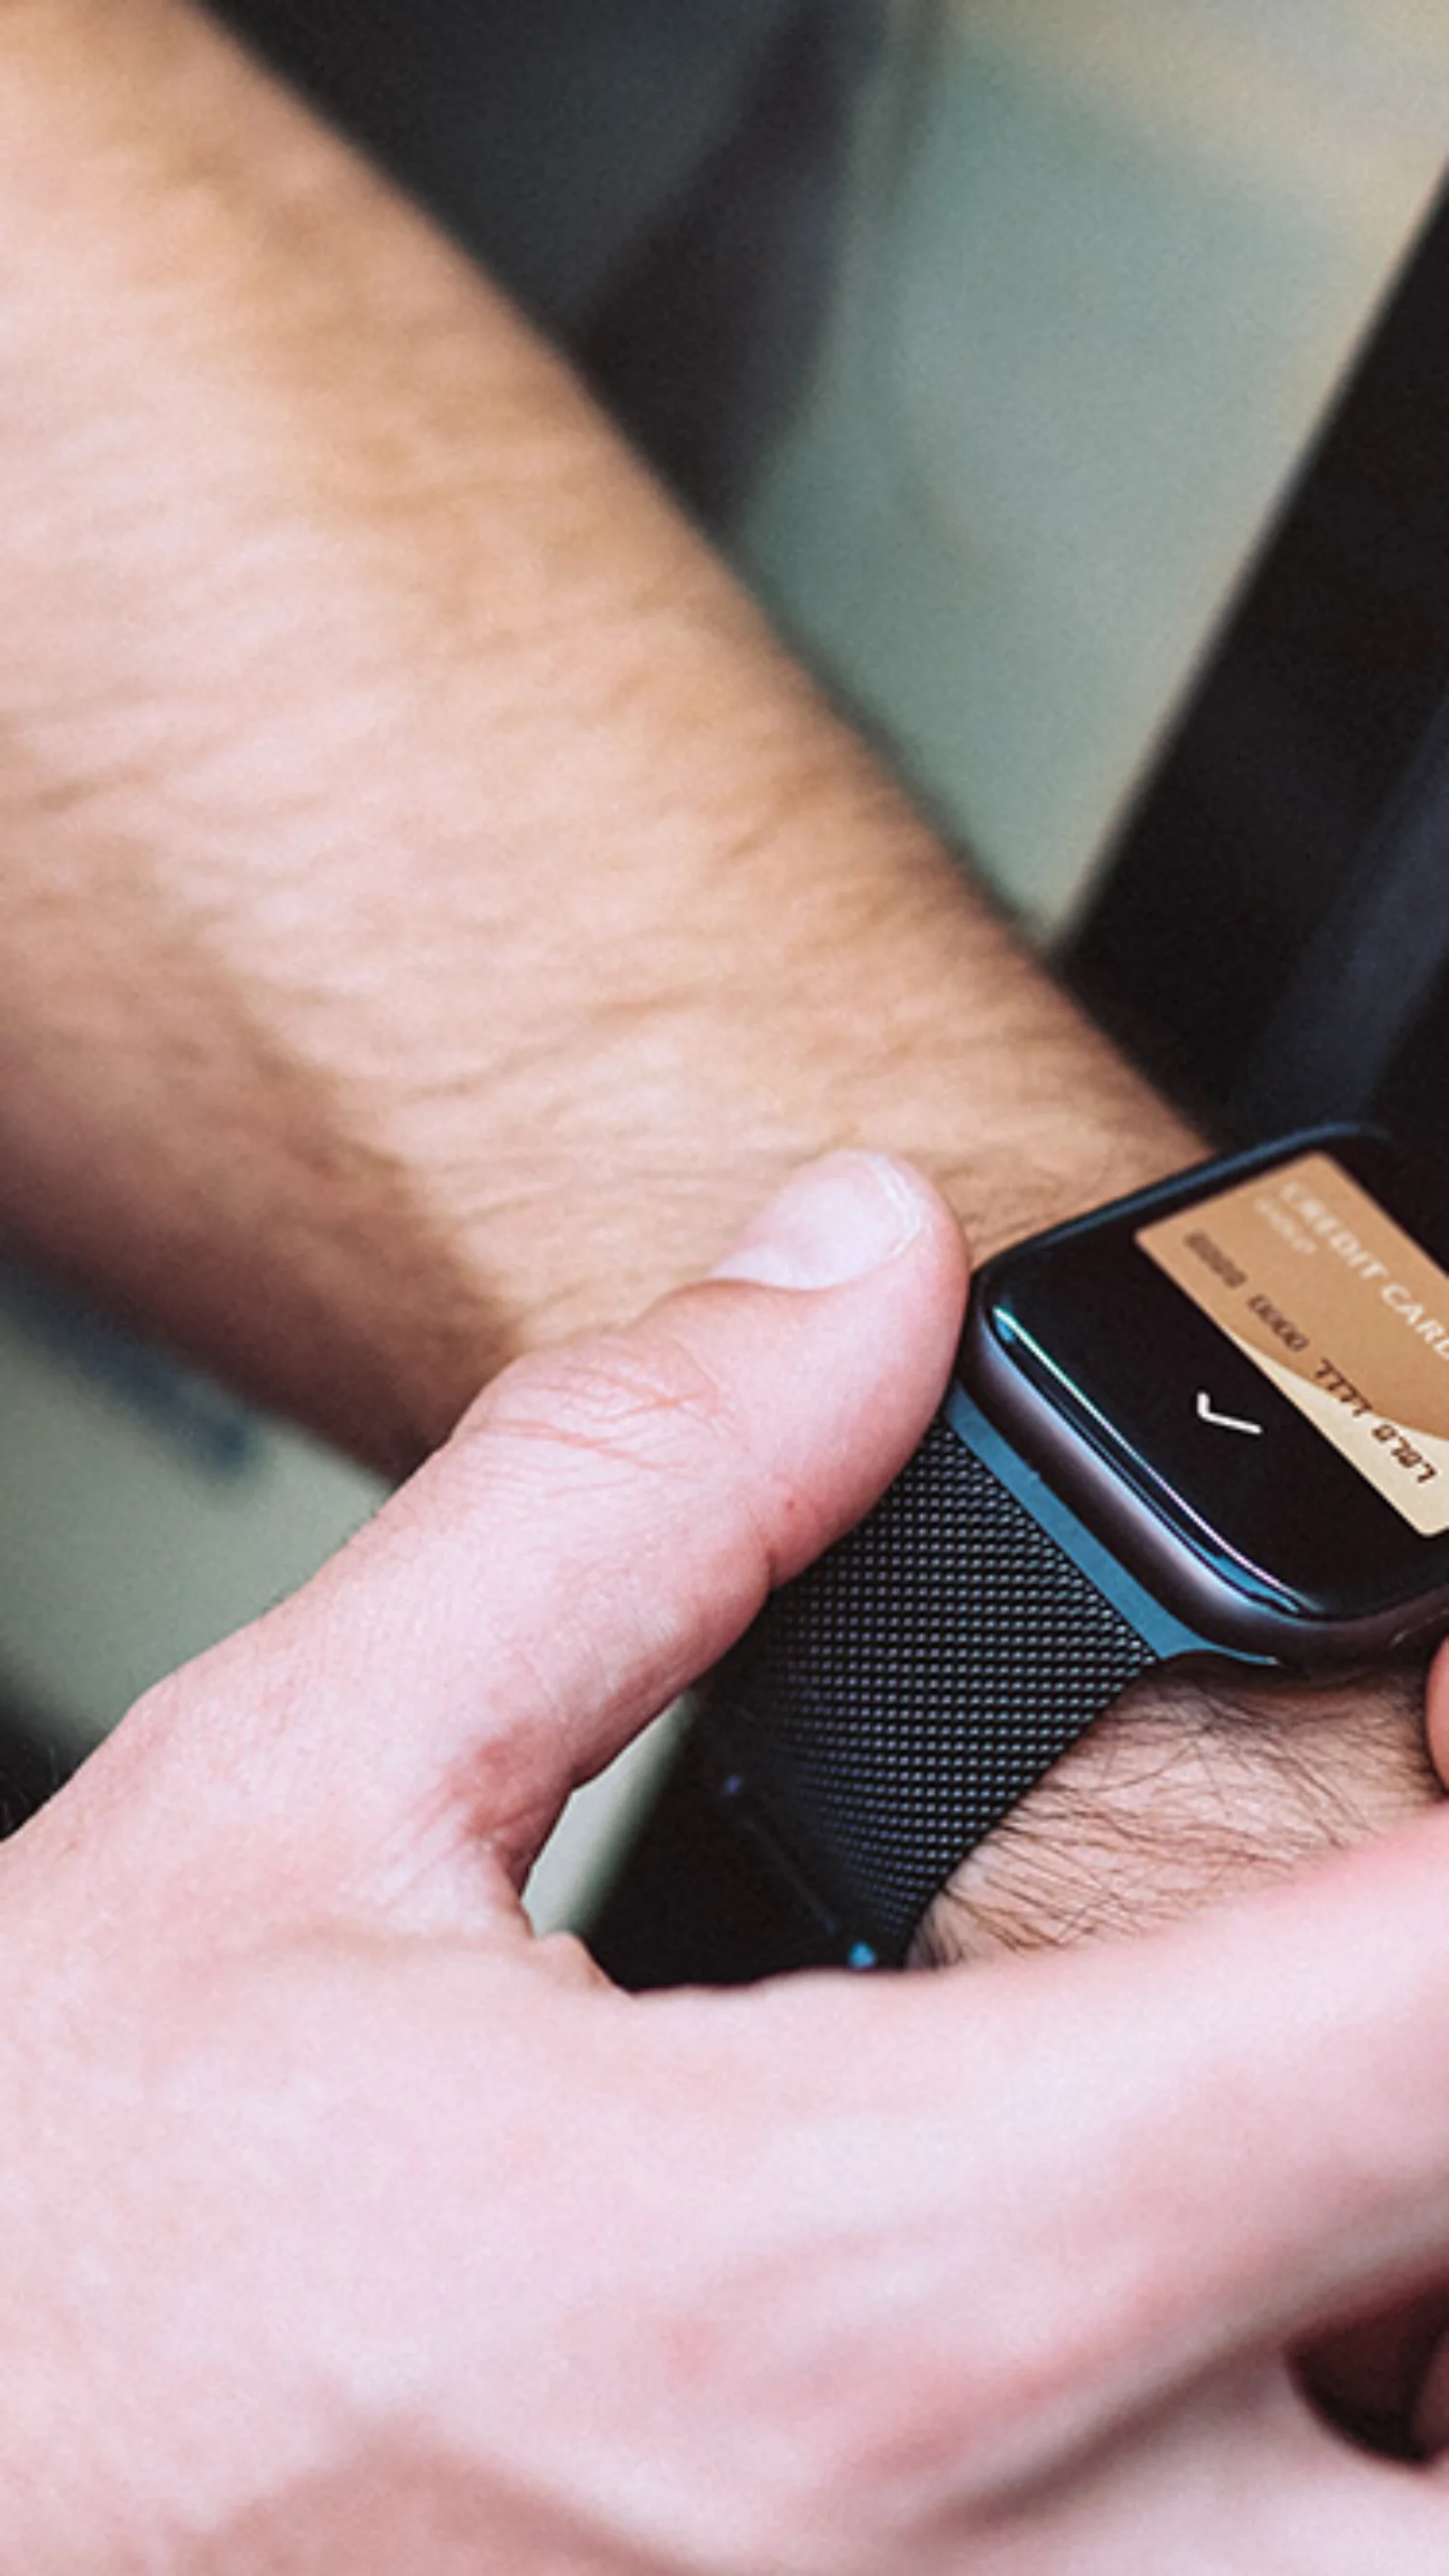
[(373, 2234), (436, 910)]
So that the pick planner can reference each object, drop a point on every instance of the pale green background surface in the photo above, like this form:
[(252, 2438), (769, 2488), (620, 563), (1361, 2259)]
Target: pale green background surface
[(1106, 260)]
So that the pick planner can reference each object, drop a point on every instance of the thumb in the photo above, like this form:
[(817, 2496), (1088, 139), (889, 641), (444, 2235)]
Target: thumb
[(604, 1522)]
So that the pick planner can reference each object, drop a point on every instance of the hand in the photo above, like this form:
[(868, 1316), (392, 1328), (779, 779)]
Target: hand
[(347, 2227)]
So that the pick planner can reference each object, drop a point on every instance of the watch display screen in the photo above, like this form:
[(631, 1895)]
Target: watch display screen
[(1341, 1310), (1262, 1350)]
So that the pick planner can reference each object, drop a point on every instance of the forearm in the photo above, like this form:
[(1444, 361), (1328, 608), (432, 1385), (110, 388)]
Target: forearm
[(437, 908)]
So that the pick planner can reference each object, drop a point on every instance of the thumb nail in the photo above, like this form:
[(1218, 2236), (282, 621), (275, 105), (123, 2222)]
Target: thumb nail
[(834, 1221)]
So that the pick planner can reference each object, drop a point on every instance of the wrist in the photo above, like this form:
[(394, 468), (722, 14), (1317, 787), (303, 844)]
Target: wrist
[(973, 1066), (1199, 1785)]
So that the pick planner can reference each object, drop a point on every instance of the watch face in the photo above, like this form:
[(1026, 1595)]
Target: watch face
[(1259, 1353)]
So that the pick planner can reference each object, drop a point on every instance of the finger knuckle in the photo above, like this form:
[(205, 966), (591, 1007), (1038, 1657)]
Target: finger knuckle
[(618, 1401)]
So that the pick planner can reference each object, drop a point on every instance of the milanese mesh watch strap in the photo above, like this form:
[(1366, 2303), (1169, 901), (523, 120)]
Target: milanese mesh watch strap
[(899, 1698)]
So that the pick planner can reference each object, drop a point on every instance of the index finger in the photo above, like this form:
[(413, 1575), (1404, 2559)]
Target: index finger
[(1061, 2189)]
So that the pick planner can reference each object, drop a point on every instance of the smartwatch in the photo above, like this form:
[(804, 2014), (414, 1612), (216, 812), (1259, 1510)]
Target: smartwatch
[(1212, 1418)]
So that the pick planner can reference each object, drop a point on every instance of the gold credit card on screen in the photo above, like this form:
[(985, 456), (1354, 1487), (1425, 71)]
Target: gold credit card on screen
[(1312, 1282)]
